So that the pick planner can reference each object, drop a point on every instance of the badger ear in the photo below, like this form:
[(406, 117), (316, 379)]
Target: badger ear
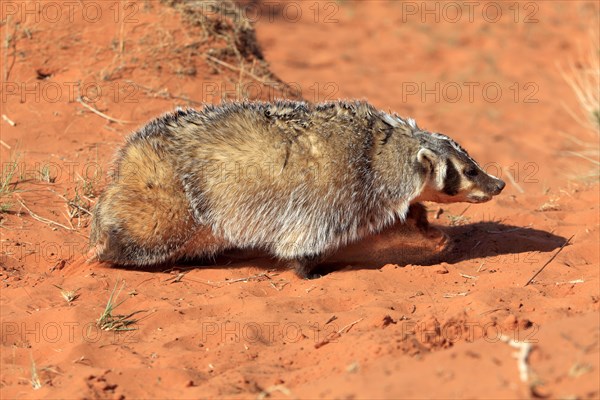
[(427, 158)]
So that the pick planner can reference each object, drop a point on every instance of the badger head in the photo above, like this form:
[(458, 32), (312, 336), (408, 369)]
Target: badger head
[(451, 174)]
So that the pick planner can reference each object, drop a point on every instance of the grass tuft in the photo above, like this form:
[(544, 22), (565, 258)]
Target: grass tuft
[(109, 321), (69, 295), (7, 186), (36, 383), (46, 175), (584, 79)]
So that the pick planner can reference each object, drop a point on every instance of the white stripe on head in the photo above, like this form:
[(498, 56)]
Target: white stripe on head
[(455, 146), (394, 120), (440, 176), (388, 119)]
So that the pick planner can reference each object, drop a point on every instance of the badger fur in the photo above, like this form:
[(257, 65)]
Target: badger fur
[(296, 179)]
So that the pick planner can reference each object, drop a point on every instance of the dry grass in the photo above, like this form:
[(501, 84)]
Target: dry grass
[(69, 295), (224, 21), (46, 175), (109, 321), (80, 204), (9, 46), (459, 219), (8, 184), (36, 383), (229, 44), (551, 205), (42, 219), (584, 79)]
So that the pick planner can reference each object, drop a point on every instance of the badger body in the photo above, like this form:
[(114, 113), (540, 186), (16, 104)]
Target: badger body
[(298, 180)]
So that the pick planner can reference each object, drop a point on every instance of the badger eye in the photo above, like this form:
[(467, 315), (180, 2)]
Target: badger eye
[(472, 172)]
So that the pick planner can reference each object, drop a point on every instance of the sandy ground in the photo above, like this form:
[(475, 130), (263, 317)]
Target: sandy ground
[(388, 323)]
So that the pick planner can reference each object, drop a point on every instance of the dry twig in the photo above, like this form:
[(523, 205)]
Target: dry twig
[(512, 180), (42, 219), (92, 109), (522, 356), (337, 334), (549, 261), (9, 121)]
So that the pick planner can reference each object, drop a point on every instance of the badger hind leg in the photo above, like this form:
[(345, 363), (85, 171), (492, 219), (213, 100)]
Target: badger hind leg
[(143, 217), (127, 230), (203, 243)]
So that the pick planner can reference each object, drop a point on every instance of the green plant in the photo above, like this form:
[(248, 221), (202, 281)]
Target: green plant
[(109, 321)]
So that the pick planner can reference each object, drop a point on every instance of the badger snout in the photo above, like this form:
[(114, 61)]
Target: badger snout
[(497, 187), (485, 192)]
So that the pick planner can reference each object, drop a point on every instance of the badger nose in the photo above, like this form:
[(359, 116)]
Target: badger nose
[(499, 186)]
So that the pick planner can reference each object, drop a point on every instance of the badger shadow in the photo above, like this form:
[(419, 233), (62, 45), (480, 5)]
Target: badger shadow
[(506, 243), (414, 242), (496, 242)]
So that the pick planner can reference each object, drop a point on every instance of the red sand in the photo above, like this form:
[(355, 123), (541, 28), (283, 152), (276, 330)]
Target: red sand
[(376, 329)]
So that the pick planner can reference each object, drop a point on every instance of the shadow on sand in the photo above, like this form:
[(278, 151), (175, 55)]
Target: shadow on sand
[(496, 242), (413, 242)]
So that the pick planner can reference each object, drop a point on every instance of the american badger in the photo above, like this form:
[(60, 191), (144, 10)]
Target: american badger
[(298, 180)]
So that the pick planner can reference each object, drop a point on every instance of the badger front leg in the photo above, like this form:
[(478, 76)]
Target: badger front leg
[(304, 266)]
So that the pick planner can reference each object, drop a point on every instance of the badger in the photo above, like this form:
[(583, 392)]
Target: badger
[(295, 179)]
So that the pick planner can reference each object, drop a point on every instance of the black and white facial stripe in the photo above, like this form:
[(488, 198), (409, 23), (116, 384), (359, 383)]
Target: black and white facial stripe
[(454, 172), (452, 179)]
